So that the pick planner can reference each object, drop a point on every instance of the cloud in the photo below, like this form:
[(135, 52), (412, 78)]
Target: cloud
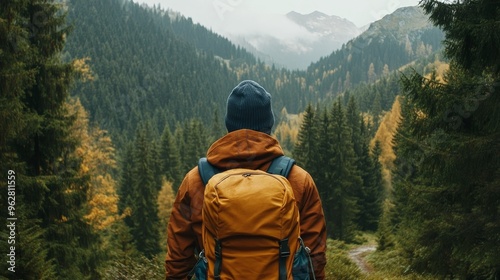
[(244, 23), (215, 13)]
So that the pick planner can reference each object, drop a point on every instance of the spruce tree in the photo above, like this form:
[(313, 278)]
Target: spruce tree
[(446, 184), (170, 159), (356, 128), (217, 130), (344, 179), (144, 193), (305, 150), (125, 190), (38, 143), (15, 79), (471, 29), (324, 165), (373, 188)]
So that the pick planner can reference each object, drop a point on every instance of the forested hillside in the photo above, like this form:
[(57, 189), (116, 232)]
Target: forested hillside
[(141, 70), (387, 45)]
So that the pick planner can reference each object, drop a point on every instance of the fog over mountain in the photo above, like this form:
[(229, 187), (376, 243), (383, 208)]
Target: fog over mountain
[(295, 40), (290, 33)]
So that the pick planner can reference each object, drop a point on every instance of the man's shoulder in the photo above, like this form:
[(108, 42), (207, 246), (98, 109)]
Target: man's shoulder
[(298, 172), (192, 179)]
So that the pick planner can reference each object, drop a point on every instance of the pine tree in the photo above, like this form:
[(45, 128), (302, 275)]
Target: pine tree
[(217, 130), (53, 194), (344, 178), (471, 29), (144, 213), (353, 121), (125, 190), (385, 236), (363, 164), (15, 79), (170, 159), (446, 184), (376, 108), (306, 147), (373, 188), (323, 159)]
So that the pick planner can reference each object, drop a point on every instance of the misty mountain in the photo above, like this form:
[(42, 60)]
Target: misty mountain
[(308, 38), (388, 44), (329, 28), (406, 23)]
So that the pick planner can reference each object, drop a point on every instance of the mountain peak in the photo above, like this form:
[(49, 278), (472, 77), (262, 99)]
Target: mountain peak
[(399, 23), (317, 13), (319, 22)]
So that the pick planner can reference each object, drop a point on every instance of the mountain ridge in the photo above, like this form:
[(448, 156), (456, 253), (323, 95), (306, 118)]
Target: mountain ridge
[(320, 34), (389, 43)]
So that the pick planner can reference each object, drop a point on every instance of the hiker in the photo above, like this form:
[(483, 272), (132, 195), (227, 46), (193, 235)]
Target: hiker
[(248, 144)]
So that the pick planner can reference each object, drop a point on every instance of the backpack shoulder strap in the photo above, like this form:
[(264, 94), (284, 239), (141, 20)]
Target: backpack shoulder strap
[(206, 170), (281, 166)]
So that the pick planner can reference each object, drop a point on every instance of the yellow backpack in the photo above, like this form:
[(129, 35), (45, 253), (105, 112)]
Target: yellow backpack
[(251, 225)]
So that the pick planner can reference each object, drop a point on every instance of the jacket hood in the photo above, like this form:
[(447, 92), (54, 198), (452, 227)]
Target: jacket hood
[(244, 148)]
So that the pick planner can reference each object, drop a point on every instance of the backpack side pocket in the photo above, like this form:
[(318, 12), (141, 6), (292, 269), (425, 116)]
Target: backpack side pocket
[(302, 263), (199, 270)]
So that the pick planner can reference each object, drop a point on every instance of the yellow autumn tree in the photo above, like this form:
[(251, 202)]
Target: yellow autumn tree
[(439, 68), (83, 70), (385, 135), (97, 162), (166, 198), (287, 130)]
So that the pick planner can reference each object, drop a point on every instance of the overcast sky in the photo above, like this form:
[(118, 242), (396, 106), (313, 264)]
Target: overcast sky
[(221, 14)]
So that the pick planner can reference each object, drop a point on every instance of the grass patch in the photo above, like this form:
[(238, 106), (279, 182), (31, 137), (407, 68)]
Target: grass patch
[(388, 264), (338, 265)]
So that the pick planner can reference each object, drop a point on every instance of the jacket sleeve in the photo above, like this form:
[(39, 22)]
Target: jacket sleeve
[(182, 238), (313, 225)]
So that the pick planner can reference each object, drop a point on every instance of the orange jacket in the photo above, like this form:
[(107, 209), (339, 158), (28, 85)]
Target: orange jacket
[(240, 149)]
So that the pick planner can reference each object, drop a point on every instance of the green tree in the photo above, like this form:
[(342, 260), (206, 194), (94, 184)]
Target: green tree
[(125, 189), (306, 148), (471, 29), (15, 78), (217, 130), (170, 159), (192, 140), (373, 188), (39, 145), (144, 212), (447, 183), (359, 140), (323, 159), (344, 178)]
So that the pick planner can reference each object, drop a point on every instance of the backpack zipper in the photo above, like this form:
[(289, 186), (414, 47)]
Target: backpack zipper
[(248, 174)]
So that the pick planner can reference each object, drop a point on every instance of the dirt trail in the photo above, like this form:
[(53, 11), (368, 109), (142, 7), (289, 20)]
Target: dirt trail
[(358, 254)]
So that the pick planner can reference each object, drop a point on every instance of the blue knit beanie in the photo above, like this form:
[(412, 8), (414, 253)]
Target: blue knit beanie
[(249, 106)]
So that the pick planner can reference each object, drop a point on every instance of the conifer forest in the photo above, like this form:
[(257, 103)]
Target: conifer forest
[(105, 105)]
